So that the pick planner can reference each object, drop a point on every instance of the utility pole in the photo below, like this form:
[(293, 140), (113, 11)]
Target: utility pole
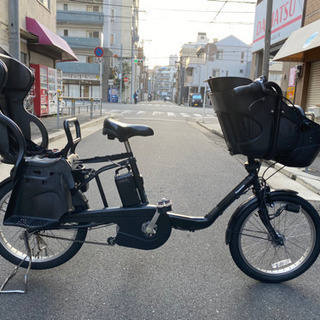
[(133, 41), (267, 40), (14, 28), (121, 75)]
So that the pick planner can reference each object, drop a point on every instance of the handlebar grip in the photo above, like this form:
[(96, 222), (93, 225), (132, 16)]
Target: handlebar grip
[(253, 87)]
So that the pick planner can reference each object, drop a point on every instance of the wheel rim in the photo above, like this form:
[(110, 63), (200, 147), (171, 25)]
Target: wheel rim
[(44, 245), (263, 255)]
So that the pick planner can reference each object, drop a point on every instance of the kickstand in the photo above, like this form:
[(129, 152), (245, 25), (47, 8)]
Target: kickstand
[(13, 273)]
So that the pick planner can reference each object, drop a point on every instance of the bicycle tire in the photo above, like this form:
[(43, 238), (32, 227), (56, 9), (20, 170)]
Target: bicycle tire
[(54, 251), (259, 257)]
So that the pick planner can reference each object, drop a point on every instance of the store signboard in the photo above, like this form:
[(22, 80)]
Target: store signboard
[(286, 18)]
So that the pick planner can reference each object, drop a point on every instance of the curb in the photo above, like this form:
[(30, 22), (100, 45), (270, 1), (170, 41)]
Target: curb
[(61, 133)]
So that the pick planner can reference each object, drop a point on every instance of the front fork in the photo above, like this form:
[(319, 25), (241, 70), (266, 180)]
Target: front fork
[(261, 193)]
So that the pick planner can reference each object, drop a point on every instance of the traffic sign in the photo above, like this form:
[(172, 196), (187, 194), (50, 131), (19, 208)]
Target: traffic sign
[(98, 52), (125, 79), (98, 60)]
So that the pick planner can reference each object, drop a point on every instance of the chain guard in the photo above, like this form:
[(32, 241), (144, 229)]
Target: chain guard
[(132, 233)]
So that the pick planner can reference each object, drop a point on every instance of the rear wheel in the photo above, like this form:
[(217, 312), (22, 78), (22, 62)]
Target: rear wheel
[(48, 248), (258, 256)]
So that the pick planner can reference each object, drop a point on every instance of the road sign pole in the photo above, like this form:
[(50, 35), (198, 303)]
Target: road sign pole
[(120, 94), (100, 77)]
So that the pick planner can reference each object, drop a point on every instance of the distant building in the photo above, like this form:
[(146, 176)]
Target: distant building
[(225, 58), (233, 58), (164, 82), (88, 25), (81, 25), (173, 59)]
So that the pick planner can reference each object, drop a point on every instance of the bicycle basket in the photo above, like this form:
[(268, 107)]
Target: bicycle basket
[(249, 125)]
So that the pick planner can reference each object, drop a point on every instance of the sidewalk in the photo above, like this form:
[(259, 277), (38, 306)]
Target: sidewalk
[(304, 180)]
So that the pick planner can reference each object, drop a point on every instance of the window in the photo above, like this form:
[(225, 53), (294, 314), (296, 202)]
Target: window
[(112, 38), (216, 73), (112, 14), (189, 72), (93, 34), (242, 57), (23, 57), (45, 3), (65, 33), (93, 8), (65, 7), (241, 70), (219, 55), (90, 59)]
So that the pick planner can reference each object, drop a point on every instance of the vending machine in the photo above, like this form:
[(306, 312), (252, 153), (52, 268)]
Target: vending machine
[(40, 90), (52, 90)]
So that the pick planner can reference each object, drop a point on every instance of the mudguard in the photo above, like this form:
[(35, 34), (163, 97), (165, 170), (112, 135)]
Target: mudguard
[(247, 204)]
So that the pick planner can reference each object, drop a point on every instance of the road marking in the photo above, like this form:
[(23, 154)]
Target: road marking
[(141, 112), (114, 111), (157, 113), (126, 111), (185, 115), (197, 115), (171, 114)]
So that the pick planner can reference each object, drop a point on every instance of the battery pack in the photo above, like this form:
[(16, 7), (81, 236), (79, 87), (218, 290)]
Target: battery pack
[(127, 189)]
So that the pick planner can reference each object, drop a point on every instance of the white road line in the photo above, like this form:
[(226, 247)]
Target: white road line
[(141, 112), (197, 115), (185, 115), (157, 113), (171, 114), (126, 111), (114, 111)]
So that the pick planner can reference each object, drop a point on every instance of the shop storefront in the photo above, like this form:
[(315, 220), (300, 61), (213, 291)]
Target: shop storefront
[(303, 48)]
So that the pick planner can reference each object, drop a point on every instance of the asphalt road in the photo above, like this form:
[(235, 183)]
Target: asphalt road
[(192, 276)]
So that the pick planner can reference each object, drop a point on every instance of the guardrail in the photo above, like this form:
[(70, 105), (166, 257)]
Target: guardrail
[(73, 105)]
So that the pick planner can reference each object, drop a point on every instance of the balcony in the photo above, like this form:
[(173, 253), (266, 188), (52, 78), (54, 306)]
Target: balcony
[(79, 17), (81, 42), (194, 61), (79, 67)]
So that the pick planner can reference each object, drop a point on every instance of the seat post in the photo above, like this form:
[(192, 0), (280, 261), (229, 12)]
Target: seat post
[(127, 146)]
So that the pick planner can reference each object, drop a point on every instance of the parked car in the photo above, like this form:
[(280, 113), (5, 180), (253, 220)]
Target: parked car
[(195, 100)]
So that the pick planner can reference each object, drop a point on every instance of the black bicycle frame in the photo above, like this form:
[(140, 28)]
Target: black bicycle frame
[(178, 221)]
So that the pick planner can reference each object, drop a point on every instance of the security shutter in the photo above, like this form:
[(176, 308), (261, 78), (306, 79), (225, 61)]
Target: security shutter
[(313, 98)]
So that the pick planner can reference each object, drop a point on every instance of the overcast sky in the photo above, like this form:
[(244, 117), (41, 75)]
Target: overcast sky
[(164, 26)]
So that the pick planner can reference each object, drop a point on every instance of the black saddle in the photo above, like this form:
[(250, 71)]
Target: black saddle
[(122, 131)]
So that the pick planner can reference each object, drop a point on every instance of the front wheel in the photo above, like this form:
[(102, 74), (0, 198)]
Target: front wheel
[(48, 248), (257, 255)]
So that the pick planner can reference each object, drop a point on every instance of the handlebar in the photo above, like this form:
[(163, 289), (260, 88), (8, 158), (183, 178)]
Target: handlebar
[(71, 143), (261, 85), (253, 87)]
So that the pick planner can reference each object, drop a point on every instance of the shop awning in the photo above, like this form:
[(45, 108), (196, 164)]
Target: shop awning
[(303, 45), (48, 39)]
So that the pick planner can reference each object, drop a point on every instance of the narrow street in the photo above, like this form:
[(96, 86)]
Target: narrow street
[(192, 275)]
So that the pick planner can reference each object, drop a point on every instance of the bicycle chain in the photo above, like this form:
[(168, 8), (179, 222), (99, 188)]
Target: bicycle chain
[(79, 241)]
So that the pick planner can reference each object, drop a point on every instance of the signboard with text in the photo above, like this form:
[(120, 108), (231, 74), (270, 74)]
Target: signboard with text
[(286, 18)]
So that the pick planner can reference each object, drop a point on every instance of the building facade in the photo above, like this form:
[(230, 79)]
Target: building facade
[(28, 33), (224, 58), (111, 25), (81, 25), (26, 24), (164, 83)]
